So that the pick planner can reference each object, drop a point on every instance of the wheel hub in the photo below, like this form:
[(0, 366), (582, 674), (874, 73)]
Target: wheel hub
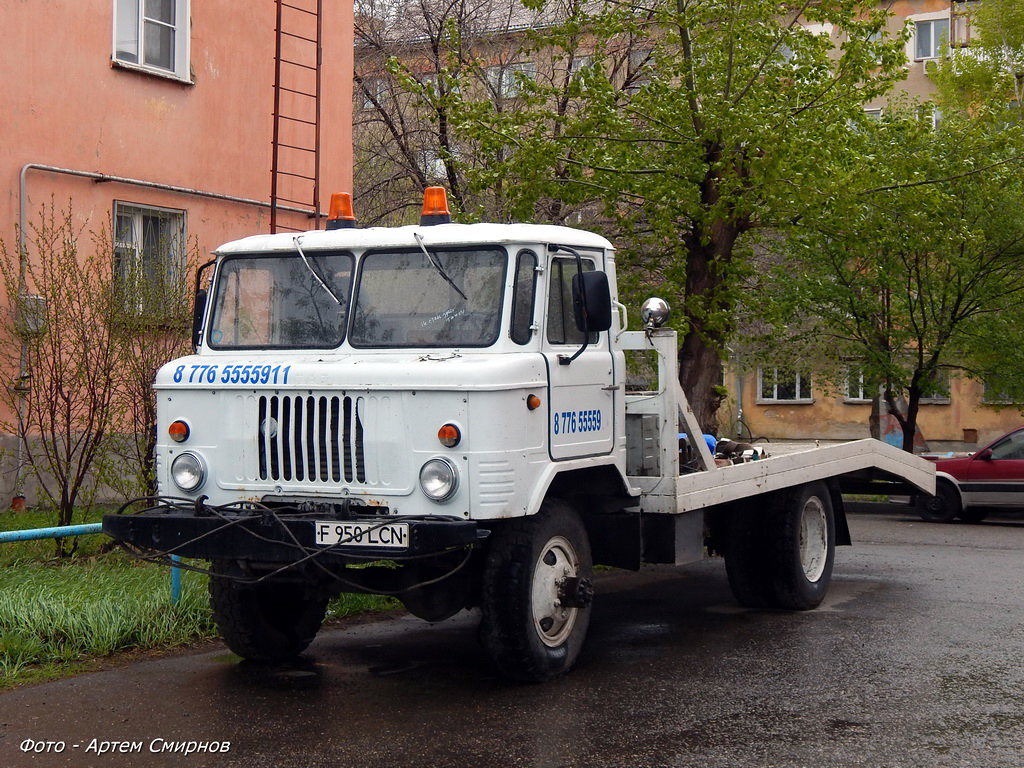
[(559, 592), (813, 539)]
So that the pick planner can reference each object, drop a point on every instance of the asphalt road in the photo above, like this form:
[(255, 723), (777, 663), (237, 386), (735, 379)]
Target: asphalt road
[(915, 659)]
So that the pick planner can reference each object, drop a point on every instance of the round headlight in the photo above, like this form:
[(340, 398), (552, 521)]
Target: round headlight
[(438, 479), (188, 471)]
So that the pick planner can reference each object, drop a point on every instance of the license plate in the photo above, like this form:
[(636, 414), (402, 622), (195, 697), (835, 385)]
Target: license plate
[(349, 534)]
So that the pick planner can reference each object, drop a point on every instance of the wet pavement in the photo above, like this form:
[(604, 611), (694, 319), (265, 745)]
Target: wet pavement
[(915, 659)]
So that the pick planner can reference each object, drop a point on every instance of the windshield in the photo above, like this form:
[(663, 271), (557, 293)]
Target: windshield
[(277, 302), (450, 299)]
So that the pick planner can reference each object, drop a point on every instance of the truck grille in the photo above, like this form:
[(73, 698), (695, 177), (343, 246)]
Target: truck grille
[(311, 439)]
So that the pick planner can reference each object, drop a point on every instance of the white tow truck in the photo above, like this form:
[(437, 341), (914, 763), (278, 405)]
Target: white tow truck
[(441, 413)]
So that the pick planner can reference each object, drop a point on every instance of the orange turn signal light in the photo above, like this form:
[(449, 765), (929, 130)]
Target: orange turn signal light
[(449, 435), (178, 431), (533, 402)]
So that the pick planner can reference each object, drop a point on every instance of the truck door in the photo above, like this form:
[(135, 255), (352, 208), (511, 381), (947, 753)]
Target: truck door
[(581, 394)]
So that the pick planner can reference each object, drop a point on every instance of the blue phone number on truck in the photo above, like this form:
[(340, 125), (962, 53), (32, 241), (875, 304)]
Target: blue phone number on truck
[(243, 373), (568, 422)]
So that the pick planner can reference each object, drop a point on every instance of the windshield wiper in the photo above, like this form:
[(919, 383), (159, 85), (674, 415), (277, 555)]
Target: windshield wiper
[(437, 265), (314, 273)]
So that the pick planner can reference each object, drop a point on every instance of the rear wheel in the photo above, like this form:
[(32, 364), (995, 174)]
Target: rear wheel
[(782, 556), (943, 507), (269, 621), (537, 592), (802, 548)]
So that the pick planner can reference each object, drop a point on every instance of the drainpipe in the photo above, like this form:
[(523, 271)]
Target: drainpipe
[(99, 178)]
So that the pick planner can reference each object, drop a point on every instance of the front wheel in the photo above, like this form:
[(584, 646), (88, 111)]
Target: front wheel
[(269, 621), (943, 507), (537, 592)]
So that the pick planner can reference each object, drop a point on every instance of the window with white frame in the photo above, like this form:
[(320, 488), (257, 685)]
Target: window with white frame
[(783, 385), (433, 164), (637, 70), (372, 91), (580, 63), (153, 35), (930, 115), (149, 258), (507, 81), (929, 37), (995, 390), (857, 389)]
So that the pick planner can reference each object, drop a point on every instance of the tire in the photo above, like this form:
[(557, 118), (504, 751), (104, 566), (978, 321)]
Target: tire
[(801, 541), (270, 621), (782, 556), (943, 507), (537, 592), (973, 515), (746, 563)]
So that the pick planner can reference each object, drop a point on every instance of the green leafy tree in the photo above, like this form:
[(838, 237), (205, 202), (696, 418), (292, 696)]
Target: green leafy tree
[(693, 124), (915, 273)]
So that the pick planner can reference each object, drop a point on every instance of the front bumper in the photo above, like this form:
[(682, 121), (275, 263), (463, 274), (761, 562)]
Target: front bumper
[(274, 538)]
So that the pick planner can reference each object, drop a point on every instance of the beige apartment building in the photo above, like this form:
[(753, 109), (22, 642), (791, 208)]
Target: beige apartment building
[(789, 405)]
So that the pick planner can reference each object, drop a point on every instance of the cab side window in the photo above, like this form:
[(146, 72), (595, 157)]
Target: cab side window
[(561, 319), (524, 297)]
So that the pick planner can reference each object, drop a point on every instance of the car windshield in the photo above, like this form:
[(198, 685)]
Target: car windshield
[(281, 301), (440, 298)]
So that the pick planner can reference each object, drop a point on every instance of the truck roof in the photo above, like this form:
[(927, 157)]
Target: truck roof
[(402, 237)]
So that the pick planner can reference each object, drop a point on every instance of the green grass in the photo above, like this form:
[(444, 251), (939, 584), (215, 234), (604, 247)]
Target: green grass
[(57, 617)]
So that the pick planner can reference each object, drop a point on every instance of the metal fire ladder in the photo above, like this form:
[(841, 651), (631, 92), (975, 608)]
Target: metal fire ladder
[(295, 170)]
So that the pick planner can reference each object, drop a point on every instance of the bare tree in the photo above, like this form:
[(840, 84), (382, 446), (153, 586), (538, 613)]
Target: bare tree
[(60, 339)]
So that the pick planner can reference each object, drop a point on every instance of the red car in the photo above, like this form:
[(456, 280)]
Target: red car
[(969, 488)]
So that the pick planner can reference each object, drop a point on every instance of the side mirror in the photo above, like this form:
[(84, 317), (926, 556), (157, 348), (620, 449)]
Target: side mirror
[(198, 310), (985, 455), (592, 301)]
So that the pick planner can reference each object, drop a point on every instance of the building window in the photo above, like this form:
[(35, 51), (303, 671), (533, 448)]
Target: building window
[(857, 390), (962, 31), (153, 35), (929, 37), (936, 390), (149, 259), (637, 71), (781, 385), (580, 63), (995, 391), (372, 91), (507, 81), (930, 115)]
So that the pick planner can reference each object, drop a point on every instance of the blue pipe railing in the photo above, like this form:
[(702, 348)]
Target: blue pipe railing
[(63, 531)]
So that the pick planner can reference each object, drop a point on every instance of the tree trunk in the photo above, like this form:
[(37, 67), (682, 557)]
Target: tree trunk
[(700, 373), (708, 312)]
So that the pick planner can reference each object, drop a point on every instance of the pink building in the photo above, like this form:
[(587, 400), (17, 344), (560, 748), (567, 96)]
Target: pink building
[(173, 124), (179, 107)]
